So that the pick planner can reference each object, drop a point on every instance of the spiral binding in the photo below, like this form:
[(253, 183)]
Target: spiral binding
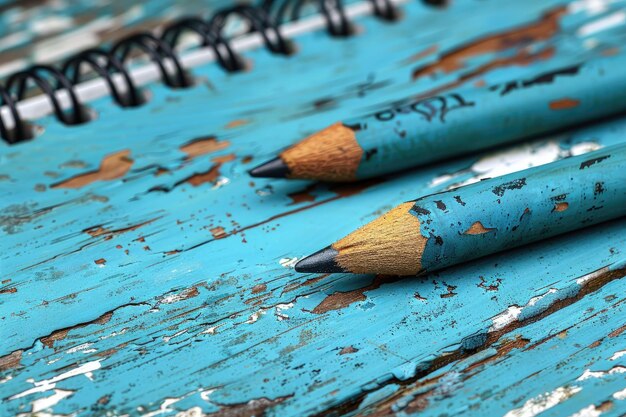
[(264, 19)]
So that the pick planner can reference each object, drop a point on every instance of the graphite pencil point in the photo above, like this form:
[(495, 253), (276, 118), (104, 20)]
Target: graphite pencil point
[(322, 261), (331, 154), (275, 168)]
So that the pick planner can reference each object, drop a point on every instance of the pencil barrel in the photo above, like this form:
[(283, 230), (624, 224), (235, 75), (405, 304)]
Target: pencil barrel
[(500, 213), (435, 128)]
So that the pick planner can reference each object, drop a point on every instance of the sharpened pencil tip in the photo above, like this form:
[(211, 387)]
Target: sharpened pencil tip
[(275, 168), (322, 261)]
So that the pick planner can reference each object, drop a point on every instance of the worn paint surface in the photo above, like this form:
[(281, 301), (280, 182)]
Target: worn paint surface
[(49, 31), (144, 273), (433, 128), (575, 84), (516, 209), (36, 31)]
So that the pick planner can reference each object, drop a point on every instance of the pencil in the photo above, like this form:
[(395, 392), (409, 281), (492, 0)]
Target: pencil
[(476, 220), (427, 130)]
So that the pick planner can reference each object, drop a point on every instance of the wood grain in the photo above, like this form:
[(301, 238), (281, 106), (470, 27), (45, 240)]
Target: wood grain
[(184, 318)]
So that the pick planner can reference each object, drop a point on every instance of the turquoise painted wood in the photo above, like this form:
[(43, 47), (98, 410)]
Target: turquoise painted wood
[(49, 31), (429, 129), (167, 287), (523, 207)]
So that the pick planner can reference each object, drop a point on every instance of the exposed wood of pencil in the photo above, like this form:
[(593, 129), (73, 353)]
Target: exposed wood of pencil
[(392, 244), (332, 154)]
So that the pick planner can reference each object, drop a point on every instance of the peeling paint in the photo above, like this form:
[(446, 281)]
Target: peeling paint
[(544, 402), (113, 166), (49, 384), (170, 330), (505, 318), (47, 402), (600, 374)]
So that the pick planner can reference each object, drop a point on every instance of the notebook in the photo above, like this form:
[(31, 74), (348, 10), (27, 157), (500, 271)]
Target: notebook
[(143, 272)]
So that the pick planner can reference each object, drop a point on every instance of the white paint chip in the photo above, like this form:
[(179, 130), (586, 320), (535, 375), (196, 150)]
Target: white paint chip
[(124, 330), (536, 299), (48, 384), (288, 262), (221, 181), (45, 403), (163, 408), (543, 402), (166, 339), (506, 317), (585, 278), (590, 411), (601, 374), (511, 160), (78, 348), (602, 24), (192, 412), (210, 330), (205, 395), (280, 308), (583, 148), (51, 24), (255, 316), (618, 355), (182, 295), (591, 7), (620, 395)]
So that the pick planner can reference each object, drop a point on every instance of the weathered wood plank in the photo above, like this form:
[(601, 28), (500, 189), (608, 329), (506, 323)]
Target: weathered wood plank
[(161, 280), (36, 31)]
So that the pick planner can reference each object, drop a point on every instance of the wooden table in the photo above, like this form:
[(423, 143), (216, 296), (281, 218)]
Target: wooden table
[(144, 273)]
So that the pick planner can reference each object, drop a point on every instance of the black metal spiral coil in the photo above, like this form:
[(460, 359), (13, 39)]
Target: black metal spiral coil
[(263, 19)]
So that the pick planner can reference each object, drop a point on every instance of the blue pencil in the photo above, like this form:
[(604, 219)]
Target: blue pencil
[(420, 131), (483, 218)]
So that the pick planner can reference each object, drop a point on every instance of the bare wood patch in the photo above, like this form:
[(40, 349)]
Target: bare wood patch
[(521, 58), (259, 288), (420, 380), (564, 104), (182, 295), (208, 176), (256, 407), (96, 231), (224, 158), (302, 196), (422, 54), (218, 232), (113, 166), (540, 30), (610, 51), (61, 334), (10, 361), (347, 350), (478, 229), (202, 146), (618, 331), (236, 123), (339, 300)]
